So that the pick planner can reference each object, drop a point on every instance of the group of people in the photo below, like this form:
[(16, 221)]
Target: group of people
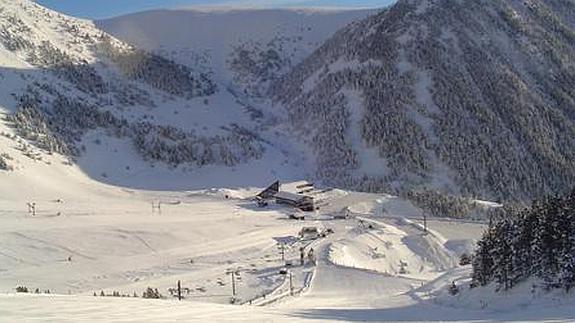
[(31, 208)]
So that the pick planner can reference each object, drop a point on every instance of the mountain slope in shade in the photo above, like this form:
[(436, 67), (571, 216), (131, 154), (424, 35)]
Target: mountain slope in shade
[(474, 97), (68, 88)]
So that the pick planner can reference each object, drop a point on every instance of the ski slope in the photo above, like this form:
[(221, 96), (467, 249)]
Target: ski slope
[(209, 116), (117, 242), (112, 222)]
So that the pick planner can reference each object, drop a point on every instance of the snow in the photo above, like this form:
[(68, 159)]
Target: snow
[(488, 204), (112, 222), (341, 64), (21, 308), (423, 6), (370, 162), (191, 33), (283, 157), (129, 170), (216, 32), (383, 250), (423, 92), (117, 242), (403, 64)]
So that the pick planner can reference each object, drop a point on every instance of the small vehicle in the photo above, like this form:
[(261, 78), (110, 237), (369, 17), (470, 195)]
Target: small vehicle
[(262, 203), (310, 233), (344, 214), (283, 271), (297, 216), (341, 216), (326, 232)]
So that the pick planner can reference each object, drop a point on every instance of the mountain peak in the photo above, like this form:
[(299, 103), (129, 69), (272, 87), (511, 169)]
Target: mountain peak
[(420, 5), (427, 85)]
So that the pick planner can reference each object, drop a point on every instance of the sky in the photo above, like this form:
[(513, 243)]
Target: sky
[(98, 9)]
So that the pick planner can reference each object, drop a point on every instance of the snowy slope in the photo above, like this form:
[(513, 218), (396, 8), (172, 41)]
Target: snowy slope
[(117, 242), (94, 229), (70, 89), (453, 95), (212, 38)]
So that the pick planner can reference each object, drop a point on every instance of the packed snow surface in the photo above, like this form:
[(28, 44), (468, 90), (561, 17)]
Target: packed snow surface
[(97, 227), (88, 237)]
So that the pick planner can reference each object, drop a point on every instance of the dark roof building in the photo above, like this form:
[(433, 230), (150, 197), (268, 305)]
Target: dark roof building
[(302, 202), (270, 191)]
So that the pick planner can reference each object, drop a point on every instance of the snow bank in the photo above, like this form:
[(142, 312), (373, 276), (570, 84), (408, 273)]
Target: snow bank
[(391, 250)]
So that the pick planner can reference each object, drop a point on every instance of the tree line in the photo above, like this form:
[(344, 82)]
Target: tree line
[(533, 242)]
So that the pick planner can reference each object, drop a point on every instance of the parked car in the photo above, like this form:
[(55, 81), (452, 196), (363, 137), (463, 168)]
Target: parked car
[(310, 233), (297, 216), (326, 232), (341, 216)]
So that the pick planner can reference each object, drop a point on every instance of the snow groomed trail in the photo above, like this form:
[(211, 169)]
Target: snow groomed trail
[(348, 286), (349, 274), (379, 267)]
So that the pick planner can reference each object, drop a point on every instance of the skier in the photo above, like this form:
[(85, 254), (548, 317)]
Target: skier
[(311, 256)]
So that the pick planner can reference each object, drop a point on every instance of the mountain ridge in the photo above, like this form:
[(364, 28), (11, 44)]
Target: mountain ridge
[(71, 89), (431, 103), (468, 98)]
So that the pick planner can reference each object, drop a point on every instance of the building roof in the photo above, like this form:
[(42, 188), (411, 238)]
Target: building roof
[(270, 191), (290, 196)]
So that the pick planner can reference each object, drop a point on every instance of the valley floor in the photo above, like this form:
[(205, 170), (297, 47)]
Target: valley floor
[(379, 265)]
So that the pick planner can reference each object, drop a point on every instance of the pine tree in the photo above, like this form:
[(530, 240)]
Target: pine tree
[(548, 242), (482, 261), (567, 227), (523, 260), (535, 242), (567, 271), (502, 254)]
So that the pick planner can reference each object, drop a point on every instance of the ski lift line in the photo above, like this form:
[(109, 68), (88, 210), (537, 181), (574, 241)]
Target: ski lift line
[(308, 281), (431, 232), (267, 298), (418, 217), (304, 185)]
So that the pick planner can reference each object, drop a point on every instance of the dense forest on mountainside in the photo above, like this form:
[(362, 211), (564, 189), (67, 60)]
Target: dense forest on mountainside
[(470, 97)]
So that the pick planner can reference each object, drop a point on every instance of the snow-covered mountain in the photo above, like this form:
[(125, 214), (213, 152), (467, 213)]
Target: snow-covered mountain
[(82, 110), (244, 48), (166, 119), (470, 96)]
